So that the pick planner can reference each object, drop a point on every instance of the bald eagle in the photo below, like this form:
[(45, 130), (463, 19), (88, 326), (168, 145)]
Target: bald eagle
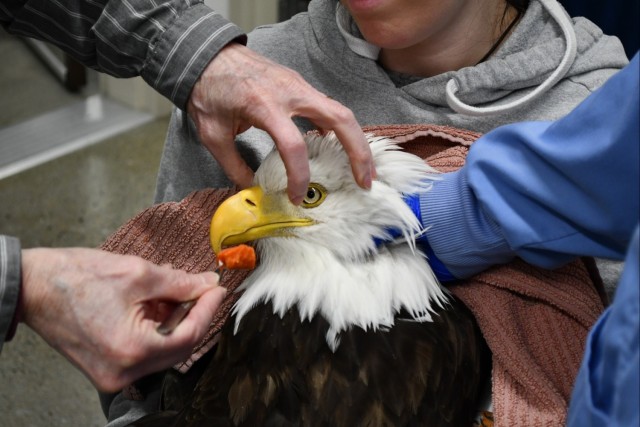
[(340, 324)]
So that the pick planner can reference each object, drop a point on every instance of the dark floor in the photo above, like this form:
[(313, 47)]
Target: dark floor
[(76, 200)]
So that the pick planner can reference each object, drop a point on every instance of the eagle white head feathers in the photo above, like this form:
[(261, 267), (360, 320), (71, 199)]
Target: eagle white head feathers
[(323, 256)]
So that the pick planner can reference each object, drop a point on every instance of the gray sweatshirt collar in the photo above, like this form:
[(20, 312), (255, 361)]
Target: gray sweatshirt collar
[(454, 85)]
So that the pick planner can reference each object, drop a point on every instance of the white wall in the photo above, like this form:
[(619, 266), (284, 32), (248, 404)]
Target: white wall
[(220, 6), (249, 14)]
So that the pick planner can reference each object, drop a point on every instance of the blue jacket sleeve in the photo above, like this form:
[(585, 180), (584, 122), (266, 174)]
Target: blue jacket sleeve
[(544, 191), (607, 388)]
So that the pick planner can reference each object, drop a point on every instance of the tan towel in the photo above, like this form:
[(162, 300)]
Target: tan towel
[(535, 321)]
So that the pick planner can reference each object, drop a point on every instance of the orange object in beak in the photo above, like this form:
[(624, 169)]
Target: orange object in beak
[(240, 257)]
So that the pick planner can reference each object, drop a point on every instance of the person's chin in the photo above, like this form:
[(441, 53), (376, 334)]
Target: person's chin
[(362, 6)]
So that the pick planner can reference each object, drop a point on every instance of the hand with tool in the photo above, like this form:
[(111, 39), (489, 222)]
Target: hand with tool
[(101, 311)]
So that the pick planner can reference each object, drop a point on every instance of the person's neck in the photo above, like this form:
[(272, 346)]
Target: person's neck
[(464, 44)]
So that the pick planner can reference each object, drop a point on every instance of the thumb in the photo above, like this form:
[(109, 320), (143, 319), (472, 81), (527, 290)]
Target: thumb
[(197, 322)]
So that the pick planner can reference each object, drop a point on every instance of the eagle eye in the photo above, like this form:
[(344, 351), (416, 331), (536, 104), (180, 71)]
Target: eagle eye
[(315, 195)]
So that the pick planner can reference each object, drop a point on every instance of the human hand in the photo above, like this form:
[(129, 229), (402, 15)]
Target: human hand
[(240, 89), (101, 311)]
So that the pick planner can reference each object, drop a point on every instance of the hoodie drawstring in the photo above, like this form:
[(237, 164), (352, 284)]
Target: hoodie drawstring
[(560, 16)]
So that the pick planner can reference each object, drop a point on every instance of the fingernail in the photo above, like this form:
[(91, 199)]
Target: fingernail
[(366, 180), (217, 283)]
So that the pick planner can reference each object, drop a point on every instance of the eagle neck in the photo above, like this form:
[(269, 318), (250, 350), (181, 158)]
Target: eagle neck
[(366, 293)]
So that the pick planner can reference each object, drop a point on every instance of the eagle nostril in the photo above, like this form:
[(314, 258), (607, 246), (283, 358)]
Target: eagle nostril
[(250, 202)]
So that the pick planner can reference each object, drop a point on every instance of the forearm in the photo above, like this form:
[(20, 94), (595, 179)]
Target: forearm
[(9, 285), (167, 43)]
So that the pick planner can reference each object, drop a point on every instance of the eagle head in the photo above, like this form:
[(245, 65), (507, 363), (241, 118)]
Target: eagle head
[(324, 257)]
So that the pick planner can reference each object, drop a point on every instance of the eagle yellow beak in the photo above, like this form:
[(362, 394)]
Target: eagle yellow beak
[(251, 214)]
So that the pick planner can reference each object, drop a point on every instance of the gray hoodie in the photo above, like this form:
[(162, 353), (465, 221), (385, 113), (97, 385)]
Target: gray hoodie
[(324, 53)]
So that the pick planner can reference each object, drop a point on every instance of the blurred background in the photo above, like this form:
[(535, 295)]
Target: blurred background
[(79, 153)]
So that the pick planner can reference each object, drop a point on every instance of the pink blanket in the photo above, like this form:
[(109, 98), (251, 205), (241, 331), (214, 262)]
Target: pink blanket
[(535, 321)]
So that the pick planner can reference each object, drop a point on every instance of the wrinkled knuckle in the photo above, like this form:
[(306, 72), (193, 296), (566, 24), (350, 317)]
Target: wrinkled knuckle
[(294, 145), (181, 281), (139, 269), (254, 97), (293, 76), (343, 114)]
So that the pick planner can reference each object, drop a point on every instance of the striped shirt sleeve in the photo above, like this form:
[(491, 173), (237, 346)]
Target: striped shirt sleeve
[(9, 283), (166, 42)]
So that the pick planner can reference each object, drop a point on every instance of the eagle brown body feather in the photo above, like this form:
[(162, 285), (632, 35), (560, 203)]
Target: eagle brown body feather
[(280, 372)]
